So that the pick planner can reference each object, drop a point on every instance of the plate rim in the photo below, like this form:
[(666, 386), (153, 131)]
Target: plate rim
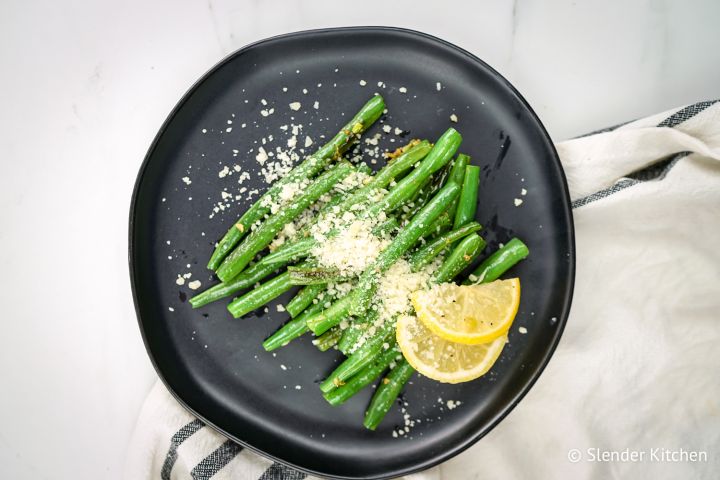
[(470, 440)]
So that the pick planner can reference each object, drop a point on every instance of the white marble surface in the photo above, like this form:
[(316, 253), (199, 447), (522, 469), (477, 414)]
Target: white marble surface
[(85, 86)]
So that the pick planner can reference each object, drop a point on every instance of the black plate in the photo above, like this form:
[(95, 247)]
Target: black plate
[(215, 366)]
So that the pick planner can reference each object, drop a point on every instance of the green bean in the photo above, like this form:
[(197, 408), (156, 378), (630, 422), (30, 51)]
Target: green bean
[(351, 335), (388, 226), (364, 168), (363, 378), (441, 225), (431, 250), (290, 251), (467, 204), (334, 200), (328, 318), (263, 235), (303, 299), (246, 279), (357, 301), (457, 172), (461, 256), (310, 167), (314, 275), (438, 157), (292, 329), (440, 178), (387, 174), (499, 262), (362, 357), (328, 339), (386, 393), (457, 175), (261, 295), (424, 187), (412, 206)]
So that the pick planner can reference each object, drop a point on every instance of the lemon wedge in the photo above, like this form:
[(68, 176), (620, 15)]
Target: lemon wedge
[(443, 360), (469, 314)]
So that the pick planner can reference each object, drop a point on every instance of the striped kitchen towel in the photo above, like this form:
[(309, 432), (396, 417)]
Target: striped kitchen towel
[(637, 366)]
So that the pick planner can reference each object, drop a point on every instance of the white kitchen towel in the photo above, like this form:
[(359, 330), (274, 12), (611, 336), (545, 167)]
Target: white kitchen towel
[(633, 390)]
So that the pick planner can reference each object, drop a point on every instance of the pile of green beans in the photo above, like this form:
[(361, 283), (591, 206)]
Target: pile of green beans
[(313, 165), (426, 200)]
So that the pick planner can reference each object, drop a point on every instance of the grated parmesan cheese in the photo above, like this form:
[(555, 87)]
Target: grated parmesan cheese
[(352, 250), (396, 286), (262, 156)]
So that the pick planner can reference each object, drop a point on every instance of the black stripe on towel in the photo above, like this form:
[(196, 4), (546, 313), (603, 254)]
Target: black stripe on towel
[(278, 471), (183, 434), (686, 113), (214, 462), (599, 195), (657, 171)]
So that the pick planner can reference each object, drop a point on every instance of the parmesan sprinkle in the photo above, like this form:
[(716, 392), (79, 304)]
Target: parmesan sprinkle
[(397, 285), (352, 250), (262, 156), (452, 404), (295, 106)]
